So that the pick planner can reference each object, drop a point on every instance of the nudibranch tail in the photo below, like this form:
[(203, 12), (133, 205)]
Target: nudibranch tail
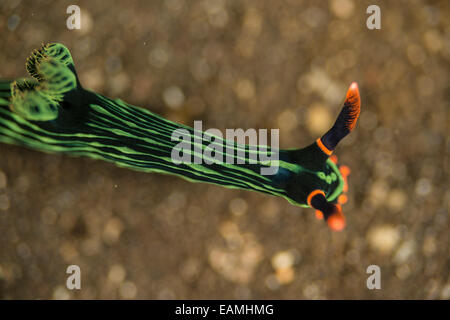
[(336, 220), (331, 212)]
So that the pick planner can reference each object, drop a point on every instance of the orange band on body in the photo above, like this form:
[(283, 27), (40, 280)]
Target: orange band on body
[(322, 147), (312, 194)]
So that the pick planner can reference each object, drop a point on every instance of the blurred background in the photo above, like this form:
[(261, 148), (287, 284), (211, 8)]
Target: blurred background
[(237, 64)]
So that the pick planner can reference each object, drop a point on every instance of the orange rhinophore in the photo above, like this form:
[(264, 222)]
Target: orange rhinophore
[(353, 101)]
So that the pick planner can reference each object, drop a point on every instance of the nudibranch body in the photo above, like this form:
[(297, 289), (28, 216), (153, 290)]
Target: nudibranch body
[(52, 112)]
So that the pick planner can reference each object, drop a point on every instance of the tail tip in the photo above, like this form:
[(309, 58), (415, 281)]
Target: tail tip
[(336, 221)]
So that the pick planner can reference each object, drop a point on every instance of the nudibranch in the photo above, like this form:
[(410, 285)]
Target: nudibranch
[(52, 112)]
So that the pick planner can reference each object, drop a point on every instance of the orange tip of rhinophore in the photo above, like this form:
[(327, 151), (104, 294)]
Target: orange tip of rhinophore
[(354, 85), (336, 221), (353, 91), (319, 215), (353, 99)]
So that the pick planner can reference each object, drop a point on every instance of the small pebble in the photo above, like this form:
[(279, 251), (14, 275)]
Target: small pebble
[(13, 22), (282, 260), (238, 206), (112, 231), (342, 8), (319, 119), (128, 290), (173, 97), (245, 89), (383, 238), (116, 274), (3, 180)]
